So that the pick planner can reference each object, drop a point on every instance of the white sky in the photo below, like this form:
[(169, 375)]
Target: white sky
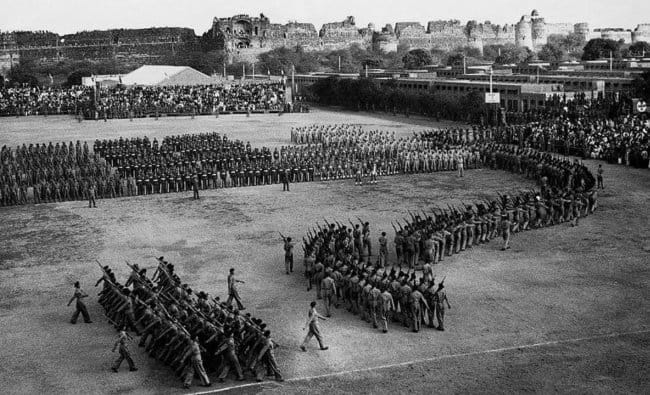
[(69, 16)]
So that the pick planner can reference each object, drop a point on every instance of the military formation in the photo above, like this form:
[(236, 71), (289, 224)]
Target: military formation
[(191, 332), (349, 265), (339, 259), (45, 173), (139, 166), (337, 265)]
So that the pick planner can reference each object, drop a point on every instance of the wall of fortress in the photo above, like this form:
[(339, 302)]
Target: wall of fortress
[(243, 34)]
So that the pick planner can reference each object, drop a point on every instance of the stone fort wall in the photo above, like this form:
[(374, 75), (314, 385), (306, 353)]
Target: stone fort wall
[(243, 34)]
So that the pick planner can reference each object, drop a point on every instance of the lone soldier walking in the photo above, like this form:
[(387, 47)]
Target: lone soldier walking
[(285, 180), (288, 255), (122, 338), (91, 196), (232, 290), (195, 187), (599, 177), (505, 231), (312, 323), (81, 307)]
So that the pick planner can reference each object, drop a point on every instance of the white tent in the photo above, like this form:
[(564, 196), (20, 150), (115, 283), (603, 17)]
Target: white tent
[(166, 76)]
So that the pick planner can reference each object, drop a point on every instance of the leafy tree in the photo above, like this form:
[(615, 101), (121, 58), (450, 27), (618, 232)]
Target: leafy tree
[(510, 53), (600, 48), (638, 49), (552, 52), (75, 77), (416, 59), (562, 47)]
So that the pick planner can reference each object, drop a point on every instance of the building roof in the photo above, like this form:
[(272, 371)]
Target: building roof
[(166, 76)]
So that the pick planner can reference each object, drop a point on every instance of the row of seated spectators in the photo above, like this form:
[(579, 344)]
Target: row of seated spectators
[(138, 101)]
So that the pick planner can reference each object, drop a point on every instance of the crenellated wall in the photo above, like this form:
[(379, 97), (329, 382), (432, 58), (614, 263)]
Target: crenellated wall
[(243, 35)]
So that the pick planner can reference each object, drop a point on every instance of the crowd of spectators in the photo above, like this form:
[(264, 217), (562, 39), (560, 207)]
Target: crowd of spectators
[(43, 101), (141, 101)]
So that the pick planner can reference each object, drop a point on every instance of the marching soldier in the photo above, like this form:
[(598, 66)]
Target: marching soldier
[(122, 338), (232, 290), (288, 255), (314, 331), (229, 358), (195, 366), (387, 306), (80, 306), (383, 250), (267, 356), (440, 299), (328, 290)]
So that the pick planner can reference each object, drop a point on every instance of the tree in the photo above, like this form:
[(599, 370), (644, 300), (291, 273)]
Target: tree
[(24, 73), (641, 86), (75, 77), (638, 49), (552, 52), (601, 48), (416, 59), (510, 53)]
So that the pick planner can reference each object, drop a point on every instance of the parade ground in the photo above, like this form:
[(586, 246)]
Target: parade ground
[(566, 309)]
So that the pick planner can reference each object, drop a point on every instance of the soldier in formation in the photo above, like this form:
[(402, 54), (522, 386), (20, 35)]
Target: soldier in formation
[(189, 331)]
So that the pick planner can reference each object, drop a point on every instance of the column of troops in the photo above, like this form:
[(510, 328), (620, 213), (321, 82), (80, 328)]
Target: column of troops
[(52, 173), (338, 257), (190, 332)]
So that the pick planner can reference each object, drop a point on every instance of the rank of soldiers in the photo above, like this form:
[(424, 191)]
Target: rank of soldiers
[(190, 332), (338, 256)]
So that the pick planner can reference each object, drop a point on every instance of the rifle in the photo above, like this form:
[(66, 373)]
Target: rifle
[(362, 223), (326, 223), (350, 221), (441, 284), (411, 215), (281, 235), (393, 225), (105, 275)]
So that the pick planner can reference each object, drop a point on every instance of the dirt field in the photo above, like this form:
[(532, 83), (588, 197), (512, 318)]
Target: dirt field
[(565, 310)]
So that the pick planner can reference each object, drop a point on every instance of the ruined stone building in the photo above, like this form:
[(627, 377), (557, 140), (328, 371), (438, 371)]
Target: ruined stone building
[(247, 36)]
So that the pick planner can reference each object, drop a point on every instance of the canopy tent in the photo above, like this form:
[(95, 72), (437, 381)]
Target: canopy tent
[(166, 76)]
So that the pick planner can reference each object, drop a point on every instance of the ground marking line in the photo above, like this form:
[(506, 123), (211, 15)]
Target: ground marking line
[(437, 358)]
